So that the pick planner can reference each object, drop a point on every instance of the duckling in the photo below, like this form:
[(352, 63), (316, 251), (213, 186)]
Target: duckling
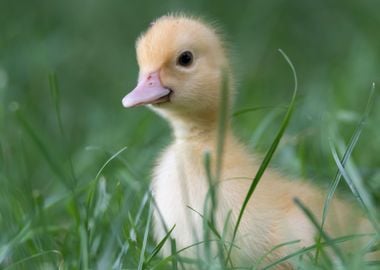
[(183, 62)]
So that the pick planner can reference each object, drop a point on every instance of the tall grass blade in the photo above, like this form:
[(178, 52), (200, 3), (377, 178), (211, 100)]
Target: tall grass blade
[(214, 176), (122, 159), (209, 224), (221, 238), (84, 247), (314, 221), (55, 92), (269, 154), (307, 249), (38, 255), (173, 246), (145, 240), (344, 173), (223, 122), (19, 238), (90, 202), (359, 191), (353, 141), (174, 255), (159, 246), (209, 208), (260, 260)]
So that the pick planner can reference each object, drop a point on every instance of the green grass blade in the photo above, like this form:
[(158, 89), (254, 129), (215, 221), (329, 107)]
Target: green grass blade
[(23, 235), (178, 252), (145, 239), (270, 152), (92, 192), (307, 249), (209, 224), (159, 246), (353, 141), (211, 184), (209, 208), (115, 155), (221, 238), (173, 246), (209, 213), (38, 255), (260, 260), (344, 173), (55, 92), (359, 191), (84, 247), (123, 160), (223, 123), (314, 221), (174, 252)]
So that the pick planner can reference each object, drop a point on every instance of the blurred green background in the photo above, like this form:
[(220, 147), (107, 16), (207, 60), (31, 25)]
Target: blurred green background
[(48, 173)]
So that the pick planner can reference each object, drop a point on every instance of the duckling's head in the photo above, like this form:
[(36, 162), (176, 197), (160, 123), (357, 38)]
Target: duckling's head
[(183, 64)]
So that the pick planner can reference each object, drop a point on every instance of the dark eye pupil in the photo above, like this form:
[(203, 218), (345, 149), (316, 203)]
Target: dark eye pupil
[(185, 59)]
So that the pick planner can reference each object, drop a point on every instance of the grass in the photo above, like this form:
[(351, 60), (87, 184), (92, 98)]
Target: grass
[(137, 249), (75, 167)]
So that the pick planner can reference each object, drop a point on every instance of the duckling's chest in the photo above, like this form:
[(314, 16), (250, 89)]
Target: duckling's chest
[(179, 188)]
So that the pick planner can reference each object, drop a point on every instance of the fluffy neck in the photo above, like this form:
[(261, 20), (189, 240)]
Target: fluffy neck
[(194, 130), (199, 130), (194, 139)]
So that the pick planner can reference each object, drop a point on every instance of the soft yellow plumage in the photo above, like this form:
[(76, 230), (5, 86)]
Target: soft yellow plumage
[(188, 96)]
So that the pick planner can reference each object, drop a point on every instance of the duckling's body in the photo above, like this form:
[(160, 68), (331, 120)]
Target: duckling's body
[(182, 63), (180, 189)]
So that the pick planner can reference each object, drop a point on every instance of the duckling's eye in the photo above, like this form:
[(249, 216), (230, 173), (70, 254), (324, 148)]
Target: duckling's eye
[(185, 59)]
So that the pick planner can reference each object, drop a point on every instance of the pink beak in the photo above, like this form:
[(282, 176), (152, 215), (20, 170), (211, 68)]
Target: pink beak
[(149, 90)]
